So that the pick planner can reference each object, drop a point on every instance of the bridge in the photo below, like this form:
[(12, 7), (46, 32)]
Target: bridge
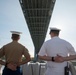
[(37, 15)]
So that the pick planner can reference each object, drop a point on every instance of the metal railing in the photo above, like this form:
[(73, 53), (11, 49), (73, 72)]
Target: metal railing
[(40, 68), (72, 68)]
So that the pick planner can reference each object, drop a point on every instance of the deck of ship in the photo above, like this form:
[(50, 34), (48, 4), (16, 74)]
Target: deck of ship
[(37, 68)]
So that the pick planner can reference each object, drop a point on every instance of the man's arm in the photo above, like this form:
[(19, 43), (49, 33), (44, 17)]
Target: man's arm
[(46, 58), (68, 58), (27, 58), (58, 58), (14, 66), (1, 55), (2, 62)]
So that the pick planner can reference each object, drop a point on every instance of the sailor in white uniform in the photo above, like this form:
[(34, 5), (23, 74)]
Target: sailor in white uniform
[(55, 51)]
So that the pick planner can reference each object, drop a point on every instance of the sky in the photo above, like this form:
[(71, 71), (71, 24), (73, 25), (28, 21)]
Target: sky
[(12, 19)]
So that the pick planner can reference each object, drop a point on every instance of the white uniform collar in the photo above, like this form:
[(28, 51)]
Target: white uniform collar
[(55, 37)]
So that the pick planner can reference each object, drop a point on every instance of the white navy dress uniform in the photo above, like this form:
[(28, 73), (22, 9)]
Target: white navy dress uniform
[(53, 47)]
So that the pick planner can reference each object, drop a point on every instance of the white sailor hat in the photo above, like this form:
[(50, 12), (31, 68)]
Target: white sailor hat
[(16, 32), (54, 29)]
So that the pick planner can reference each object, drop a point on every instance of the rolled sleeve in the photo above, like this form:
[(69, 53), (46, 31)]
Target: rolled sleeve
[(72, 51), (1, 52), (25, 51)]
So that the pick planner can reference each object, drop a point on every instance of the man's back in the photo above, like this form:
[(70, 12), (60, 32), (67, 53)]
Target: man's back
[(54, 47), (57, 46), (13, 52)]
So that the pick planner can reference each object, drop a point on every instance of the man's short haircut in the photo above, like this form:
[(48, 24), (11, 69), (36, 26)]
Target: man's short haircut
[(15, 36), (55, 31)]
